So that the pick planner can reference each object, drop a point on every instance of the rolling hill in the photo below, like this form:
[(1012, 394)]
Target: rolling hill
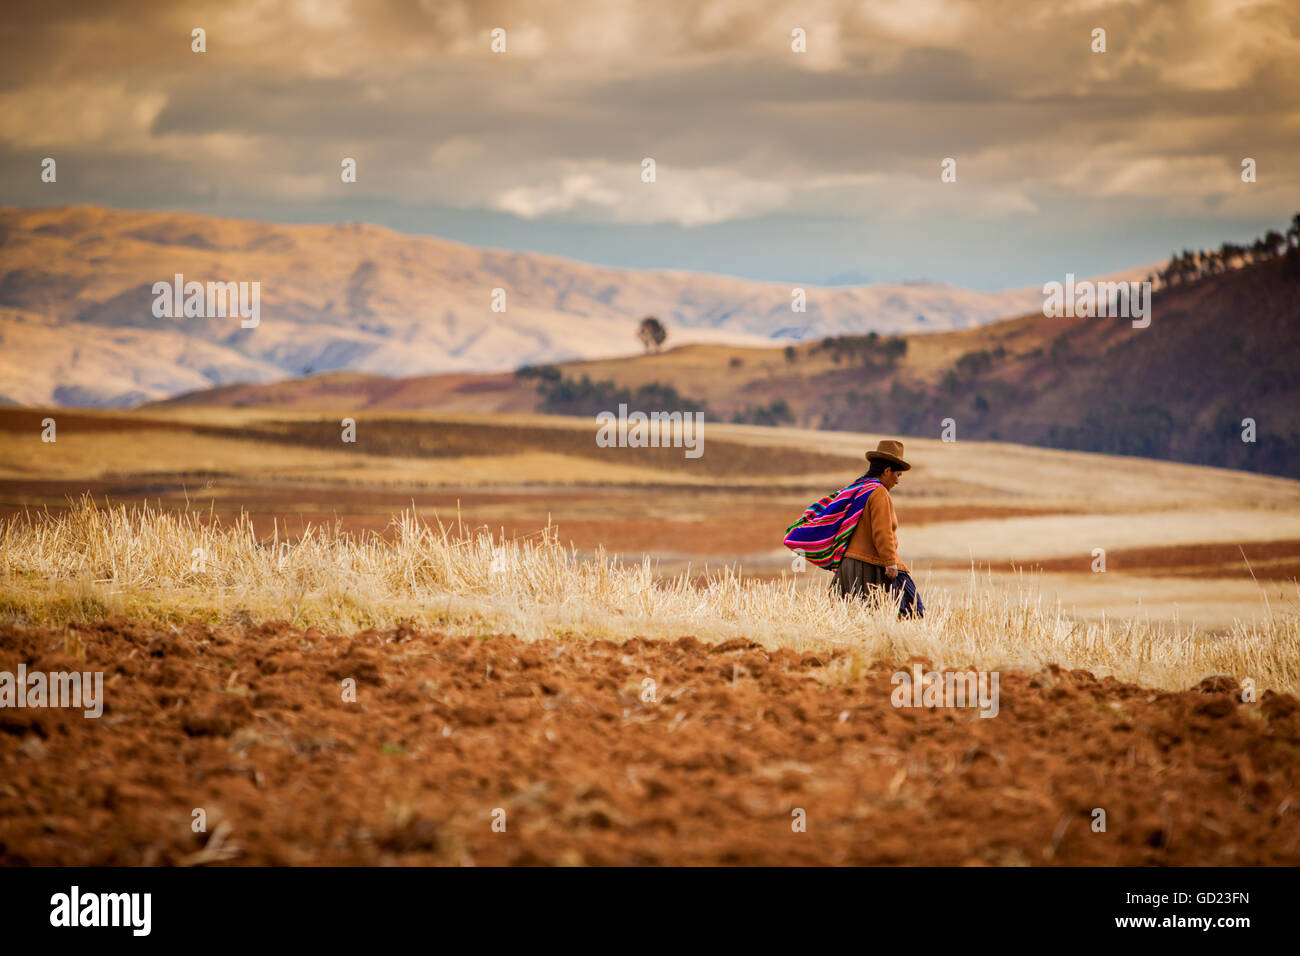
[(1219, 350), (77, 324)]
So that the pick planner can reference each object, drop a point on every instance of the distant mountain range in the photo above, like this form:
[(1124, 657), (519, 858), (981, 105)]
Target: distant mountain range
[(78, 327)]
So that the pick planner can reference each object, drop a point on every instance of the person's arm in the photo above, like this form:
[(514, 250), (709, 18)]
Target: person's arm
[(882, 530)]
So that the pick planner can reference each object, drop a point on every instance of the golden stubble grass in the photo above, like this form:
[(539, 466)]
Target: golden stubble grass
[(93, 562)]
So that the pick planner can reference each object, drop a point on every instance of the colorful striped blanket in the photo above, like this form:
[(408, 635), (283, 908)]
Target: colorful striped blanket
[(822, 533)]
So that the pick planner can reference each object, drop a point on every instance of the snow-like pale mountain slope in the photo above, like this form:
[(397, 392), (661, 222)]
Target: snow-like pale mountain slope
[(77, 325)]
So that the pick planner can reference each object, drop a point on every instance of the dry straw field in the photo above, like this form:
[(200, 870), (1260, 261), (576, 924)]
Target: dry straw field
[(1187, 549), (92, 562)]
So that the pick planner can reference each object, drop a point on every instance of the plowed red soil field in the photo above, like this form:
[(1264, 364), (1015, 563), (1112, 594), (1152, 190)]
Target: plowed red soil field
[(562, 747)]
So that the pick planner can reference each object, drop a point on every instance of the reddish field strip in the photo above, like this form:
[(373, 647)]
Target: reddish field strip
[(248, 724), (630, 521), (233, 495), (1265, 560), (29, 420)]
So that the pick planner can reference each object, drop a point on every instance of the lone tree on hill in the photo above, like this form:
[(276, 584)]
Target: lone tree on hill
[(652, 333)]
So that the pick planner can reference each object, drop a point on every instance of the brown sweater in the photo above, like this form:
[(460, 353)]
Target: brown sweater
[(875, 540)]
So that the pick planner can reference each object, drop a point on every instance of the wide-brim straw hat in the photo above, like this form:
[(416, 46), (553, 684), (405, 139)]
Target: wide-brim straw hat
[(890, 451)]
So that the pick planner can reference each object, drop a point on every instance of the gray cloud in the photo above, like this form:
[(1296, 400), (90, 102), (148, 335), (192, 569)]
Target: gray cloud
[(838, 146)]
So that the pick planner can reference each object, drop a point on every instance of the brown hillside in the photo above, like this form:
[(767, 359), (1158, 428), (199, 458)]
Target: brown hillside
[(1217, 351)]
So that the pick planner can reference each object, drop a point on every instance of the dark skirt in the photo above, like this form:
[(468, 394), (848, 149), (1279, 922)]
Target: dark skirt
[(865, 580), (859, 578)]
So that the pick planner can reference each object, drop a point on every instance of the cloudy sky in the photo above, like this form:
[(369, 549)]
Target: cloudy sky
[(771, 164)]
